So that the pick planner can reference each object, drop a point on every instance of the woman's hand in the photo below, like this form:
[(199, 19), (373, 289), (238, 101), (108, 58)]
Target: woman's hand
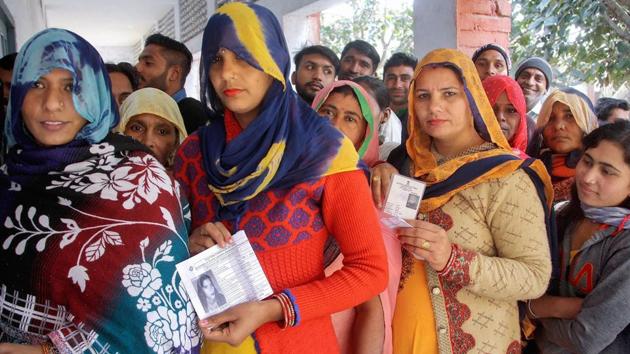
[(208, 235), (233, 325), (381, 176), (368, 328), (428, 241), (10, 348)]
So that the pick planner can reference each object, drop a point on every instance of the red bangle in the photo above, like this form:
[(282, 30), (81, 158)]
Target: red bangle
[(287, 310), (449, 263), (284, 312), (291, 310)]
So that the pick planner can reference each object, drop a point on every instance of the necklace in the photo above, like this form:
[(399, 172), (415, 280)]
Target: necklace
[(441, 159)]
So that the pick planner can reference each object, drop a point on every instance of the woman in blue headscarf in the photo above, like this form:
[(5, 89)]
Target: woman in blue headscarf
[(91, 224), (275, 169)]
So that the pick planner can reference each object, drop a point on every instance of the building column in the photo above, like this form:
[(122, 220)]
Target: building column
[(434, 25)]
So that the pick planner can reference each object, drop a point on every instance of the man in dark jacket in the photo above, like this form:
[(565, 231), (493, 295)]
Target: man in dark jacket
[(164, 64)]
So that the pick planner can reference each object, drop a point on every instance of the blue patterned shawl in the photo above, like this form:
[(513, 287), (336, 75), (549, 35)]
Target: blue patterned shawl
[(61, 49)]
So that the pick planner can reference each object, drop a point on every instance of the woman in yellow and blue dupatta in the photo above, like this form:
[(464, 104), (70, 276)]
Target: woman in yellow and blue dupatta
[(479, 243), (275, 169)]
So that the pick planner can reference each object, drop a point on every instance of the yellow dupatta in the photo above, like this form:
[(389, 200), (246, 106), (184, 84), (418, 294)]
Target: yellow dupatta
[(411, 333), (425, 166)]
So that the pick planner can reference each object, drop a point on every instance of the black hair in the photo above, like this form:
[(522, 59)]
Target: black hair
[(176, 53), (219, 297), (317, 49), (400, 59), (605, 105), (126, 69), (8, 61), (344, 90), (617, 133), (376, 88), (365, 48)]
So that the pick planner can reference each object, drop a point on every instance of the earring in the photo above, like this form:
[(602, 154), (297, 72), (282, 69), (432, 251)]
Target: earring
[(170, 160)]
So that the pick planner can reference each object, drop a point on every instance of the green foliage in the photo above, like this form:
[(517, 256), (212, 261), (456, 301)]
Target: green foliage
[(388, 30), (576, 37)]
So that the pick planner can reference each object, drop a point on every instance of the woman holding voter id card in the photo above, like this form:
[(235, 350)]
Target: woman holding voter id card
[(275, 169), (479, 243)]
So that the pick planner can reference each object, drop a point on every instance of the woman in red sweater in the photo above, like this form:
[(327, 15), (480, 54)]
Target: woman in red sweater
[(273, 168)]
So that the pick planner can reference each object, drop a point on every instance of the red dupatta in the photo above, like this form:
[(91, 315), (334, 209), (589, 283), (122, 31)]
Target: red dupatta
[(494, 87)]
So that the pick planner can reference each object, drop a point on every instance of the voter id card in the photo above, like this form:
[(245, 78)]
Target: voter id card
[(403, 200)]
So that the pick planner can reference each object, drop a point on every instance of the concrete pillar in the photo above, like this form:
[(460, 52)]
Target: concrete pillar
[(434, 25)]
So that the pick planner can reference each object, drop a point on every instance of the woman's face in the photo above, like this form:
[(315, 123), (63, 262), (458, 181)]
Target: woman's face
[(48, 111), (208, 289), (507, 116), (344, 113), (240, 87), (156, 133), (440, 105), (121, 87), (562, 134), (602, 177)]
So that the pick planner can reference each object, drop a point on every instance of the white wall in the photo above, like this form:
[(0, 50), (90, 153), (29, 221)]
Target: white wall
[(192, 80), (293, 18), (28, 17), (194, 45), (117, 54)]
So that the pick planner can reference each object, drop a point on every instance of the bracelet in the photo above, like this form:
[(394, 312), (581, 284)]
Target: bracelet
[(449, 263), (290, 312), (529, 310), (287, 310)]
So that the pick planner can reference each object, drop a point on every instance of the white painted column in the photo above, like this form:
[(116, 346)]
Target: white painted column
[(434, 25)]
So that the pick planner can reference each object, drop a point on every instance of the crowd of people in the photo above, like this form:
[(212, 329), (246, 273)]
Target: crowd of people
[(111, 175)]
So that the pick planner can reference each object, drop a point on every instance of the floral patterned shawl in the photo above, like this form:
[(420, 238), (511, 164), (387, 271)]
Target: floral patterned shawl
[(90, 231)]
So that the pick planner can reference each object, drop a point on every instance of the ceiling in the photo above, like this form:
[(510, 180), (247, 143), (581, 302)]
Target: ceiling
[(106, 23)]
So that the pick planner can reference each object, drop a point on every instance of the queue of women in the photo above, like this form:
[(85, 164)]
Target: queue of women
[(93, 221)]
